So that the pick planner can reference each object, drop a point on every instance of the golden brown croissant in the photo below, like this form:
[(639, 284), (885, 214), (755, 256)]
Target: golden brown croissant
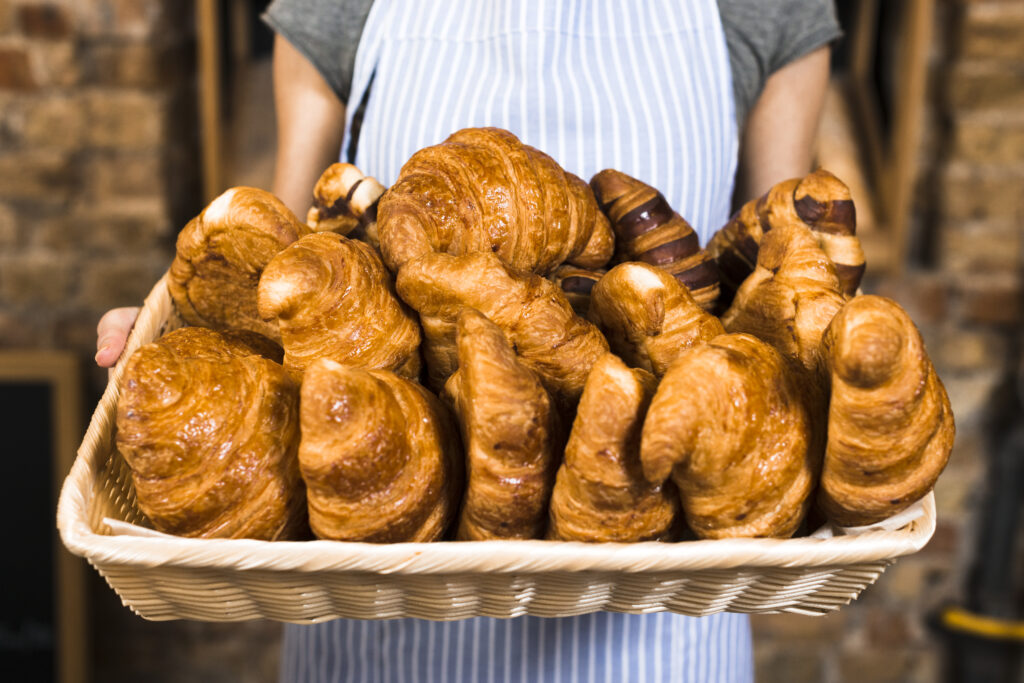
[(577, 283), (202, 342), (601, 493), (210, 434), (333, 298), (727, 423), (549, 338), (511, 435), (648, 230), (345, 201), (819, 201), (791, 296), (483, 190), (380, 456), (648, 316), (220, 255), (890, 427)]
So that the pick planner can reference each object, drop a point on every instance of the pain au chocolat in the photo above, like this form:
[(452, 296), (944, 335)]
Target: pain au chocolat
[(820, 202), (649, 231)]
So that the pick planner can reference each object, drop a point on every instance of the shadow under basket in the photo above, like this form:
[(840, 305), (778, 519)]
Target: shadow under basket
[(166, 577)]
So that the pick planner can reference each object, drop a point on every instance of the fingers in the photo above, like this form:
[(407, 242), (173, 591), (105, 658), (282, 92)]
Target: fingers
[(112, 333)]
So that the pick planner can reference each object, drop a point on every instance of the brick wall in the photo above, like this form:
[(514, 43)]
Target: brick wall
[(97, 159), (98, 172), (965, 294)]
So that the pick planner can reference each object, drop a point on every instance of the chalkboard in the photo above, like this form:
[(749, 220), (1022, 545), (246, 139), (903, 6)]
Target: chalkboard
[(27, 615), (42, 606)]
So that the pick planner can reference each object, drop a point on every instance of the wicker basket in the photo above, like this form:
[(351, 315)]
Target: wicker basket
[(166, 577)]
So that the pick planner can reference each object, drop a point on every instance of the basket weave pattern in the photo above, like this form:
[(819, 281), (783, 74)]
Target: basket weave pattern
[(164, 577)]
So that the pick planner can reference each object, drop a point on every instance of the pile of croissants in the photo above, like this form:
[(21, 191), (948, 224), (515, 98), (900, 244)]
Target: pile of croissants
[(493, 349)]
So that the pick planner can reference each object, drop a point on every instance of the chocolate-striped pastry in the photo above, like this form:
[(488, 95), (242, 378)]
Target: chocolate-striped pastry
[(819, 201), (576, 284), (648, 230), (345, 201), (823, 202)]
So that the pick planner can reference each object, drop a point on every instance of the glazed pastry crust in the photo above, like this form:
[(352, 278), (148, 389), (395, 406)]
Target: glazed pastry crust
[(890, 426), (380, 456), (601, 494), (210, 435), (649, 231), (648, 316), (533, 313), (511, 435), (221, 254), (483, 190), (728, 424), (202, 342), (820, 202), (345, 202), (332, 298), (791, 296)]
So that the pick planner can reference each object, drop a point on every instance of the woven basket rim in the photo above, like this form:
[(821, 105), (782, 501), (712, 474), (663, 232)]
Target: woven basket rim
[(101, 548)]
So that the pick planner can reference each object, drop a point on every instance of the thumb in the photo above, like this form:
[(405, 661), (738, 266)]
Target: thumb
[(112, 333)]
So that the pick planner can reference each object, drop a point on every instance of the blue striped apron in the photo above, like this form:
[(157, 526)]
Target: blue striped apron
[(641, 86)]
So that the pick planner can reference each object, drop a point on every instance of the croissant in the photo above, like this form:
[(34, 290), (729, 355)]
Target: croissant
[(576, 284), (648, 316), (380, 456), (790, 298), (890, 426), (483, 190), (345, 201), (727, 423), (510, 432), (648, 230), (533, 313), (819, 201), (601, 493), (202, 342), (210, 433), (333, 298), (220, 255)]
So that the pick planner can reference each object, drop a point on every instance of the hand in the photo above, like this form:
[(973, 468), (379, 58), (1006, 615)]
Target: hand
[(112, 333)]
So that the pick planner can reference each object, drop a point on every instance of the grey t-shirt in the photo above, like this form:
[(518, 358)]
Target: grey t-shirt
[(762, 36)]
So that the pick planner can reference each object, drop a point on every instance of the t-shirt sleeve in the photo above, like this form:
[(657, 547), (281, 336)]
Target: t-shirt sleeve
[(326, 32), (765, 35)]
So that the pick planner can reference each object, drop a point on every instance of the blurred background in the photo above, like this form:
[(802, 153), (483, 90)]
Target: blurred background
[(120, 119)]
